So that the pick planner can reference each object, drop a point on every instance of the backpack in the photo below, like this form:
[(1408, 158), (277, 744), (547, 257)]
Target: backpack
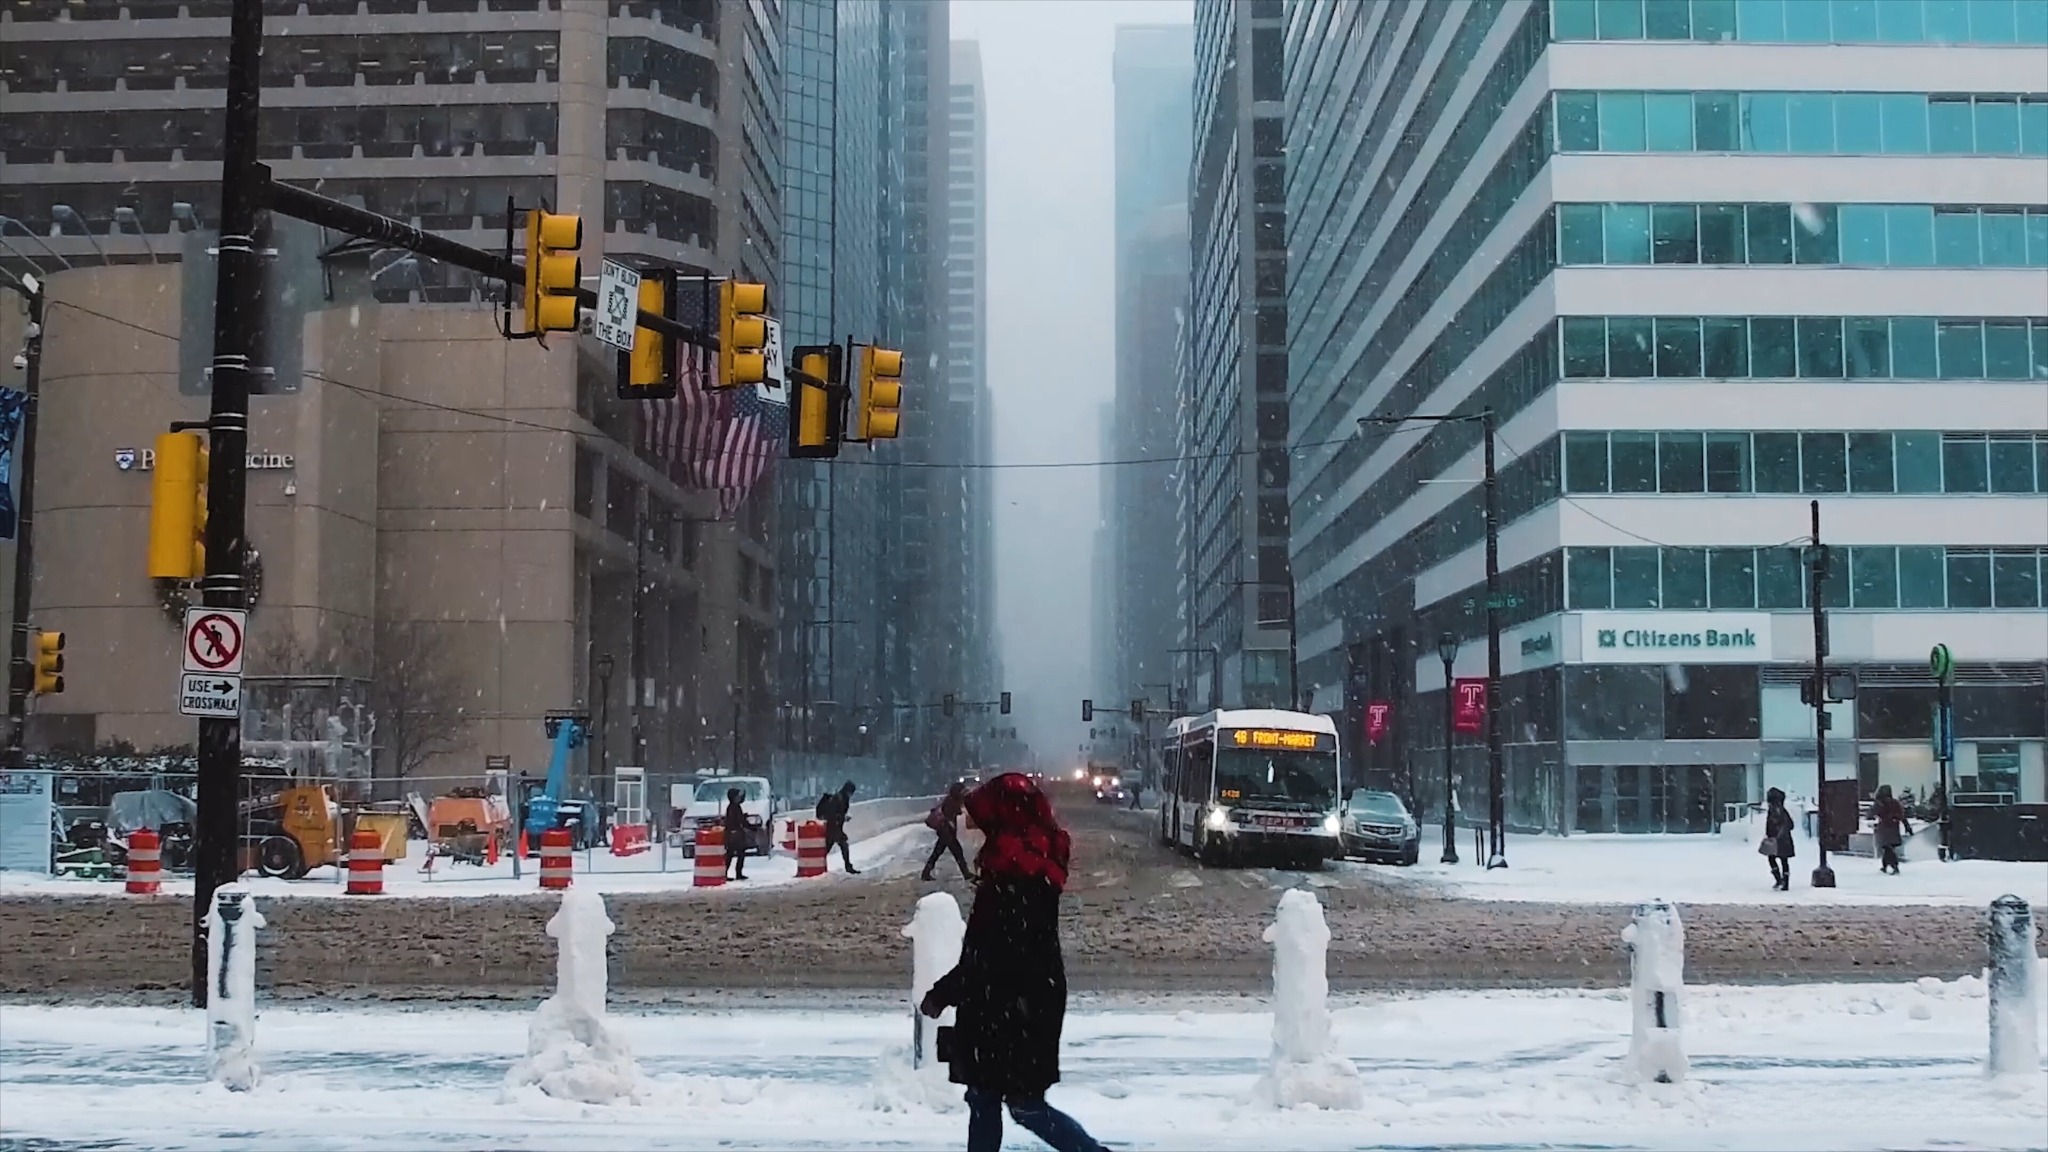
[(936, 818)]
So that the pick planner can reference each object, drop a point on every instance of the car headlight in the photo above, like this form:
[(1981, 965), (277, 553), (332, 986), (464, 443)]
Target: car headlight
[(1333, 824), (1219, 819), (1408, 827)]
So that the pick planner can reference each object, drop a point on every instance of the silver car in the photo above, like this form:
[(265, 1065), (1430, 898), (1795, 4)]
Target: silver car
[(1378, 827)]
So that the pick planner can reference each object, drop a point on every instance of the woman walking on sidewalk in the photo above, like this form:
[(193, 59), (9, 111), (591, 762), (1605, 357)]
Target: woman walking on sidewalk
[(1011, 984), (1892, 828), (1777, 841), (944, 819)]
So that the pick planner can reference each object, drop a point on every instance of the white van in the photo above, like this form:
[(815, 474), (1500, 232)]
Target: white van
[(707, 806)]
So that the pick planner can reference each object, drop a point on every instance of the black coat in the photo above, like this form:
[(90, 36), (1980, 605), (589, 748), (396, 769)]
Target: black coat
[(832, 808), (1778, 830), (1010, 988), (735, 824)]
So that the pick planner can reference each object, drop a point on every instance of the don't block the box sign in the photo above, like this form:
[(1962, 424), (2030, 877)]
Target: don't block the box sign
[(1674, 637)]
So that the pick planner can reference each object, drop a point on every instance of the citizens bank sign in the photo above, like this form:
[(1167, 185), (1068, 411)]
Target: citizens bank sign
[(1674, 637), (144, 459)]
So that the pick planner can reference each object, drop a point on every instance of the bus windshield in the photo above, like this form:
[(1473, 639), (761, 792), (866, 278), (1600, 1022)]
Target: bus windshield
[(1273, 776)]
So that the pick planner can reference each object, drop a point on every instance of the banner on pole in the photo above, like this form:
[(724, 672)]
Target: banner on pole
[(1468, 704)]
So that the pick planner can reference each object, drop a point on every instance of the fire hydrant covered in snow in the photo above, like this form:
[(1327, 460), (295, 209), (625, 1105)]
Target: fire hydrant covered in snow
[(2014, 987), (572, 1052), (231, 925), (935, 933), (1656, 948), (1306, 1068)]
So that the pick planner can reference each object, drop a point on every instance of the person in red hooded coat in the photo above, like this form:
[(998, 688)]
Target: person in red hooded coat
[(1010, 985)]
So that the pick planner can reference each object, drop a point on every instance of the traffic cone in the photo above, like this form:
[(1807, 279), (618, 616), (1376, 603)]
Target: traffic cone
[(491, 853), (522, 843)]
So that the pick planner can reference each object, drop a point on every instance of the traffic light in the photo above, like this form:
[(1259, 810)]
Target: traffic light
[(177, 507), (817, 402), (49, 663), (1005, 705), (1137, 711), (742, 334), (948, 705), (554, 273), (1087, 711), (878, 395), (648, 372)]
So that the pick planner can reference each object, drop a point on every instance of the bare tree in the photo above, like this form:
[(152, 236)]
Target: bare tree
[(417, 697)]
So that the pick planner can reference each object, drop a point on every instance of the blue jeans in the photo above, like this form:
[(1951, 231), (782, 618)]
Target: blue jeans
[(985, 1123)]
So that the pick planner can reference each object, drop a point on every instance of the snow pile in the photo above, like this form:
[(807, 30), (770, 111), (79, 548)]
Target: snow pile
[(2015, 990), (572, 1053), (909, 1077), (231, 925), (1656, 945), (1306, 1069)]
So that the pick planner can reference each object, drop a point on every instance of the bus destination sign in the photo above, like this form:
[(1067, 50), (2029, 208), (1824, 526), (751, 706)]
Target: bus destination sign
[(1281, 738)]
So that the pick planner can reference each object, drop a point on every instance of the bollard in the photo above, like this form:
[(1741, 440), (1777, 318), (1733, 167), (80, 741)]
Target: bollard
[(1655, 939), (557, 858), (935, 932), (145, 863), (365, 863), (231, 988), (1306, 1068), (710, 857), (2015, 1048), (810, 849)]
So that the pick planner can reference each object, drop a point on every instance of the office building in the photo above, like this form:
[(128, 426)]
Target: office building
[(1234, 564), (1705, 263), (1153, 72), (969, 612)]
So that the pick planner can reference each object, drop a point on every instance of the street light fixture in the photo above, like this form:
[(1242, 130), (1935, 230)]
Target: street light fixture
[(1447, 651), (604, 713), (68, 211), (25, 230), (126, 215)]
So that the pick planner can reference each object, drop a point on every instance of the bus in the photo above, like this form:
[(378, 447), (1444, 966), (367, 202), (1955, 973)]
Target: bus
[(1244, 784)]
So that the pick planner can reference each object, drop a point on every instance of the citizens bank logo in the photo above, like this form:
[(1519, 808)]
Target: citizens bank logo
[(124, 459), (1606, 637)]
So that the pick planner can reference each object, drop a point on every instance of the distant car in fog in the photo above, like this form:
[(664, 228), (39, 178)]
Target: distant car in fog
[(1111, 790), (1377, 826)]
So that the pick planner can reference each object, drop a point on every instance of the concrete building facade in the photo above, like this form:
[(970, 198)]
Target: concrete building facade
[(1706, 263)]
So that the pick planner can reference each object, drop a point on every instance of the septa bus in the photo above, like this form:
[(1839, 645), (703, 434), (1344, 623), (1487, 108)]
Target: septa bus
[(1251, 784)]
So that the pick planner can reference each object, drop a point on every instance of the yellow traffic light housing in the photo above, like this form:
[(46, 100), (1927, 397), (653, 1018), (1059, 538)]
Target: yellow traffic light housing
[(49, 663), (878, 413), (742, 334), (177, 507), (817, 402), (554, 273), (648, 372)]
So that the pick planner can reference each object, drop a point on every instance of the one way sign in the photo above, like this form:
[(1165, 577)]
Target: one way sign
[(210, 694)]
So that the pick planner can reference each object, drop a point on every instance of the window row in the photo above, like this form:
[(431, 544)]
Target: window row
[(1803, 123), (1878, 463), (1860, 235), (1804, 21), (288, 61), (1868, 576), (1803, 347)]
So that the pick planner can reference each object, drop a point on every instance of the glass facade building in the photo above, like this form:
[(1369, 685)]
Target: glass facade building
[(1701, 278)]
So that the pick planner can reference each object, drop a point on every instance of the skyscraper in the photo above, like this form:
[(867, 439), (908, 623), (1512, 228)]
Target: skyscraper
[(969, 419), (1705, 265)]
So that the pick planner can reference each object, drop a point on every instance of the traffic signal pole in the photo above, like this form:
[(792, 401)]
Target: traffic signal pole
[(20, 676), (235, 328)]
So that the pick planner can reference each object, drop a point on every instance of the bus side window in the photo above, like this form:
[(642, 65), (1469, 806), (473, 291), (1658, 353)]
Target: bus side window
[(1195, 782)]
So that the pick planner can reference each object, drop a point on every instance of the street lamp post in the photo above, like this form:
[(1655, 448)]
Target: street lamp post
[(1447, 651), (604, 716)]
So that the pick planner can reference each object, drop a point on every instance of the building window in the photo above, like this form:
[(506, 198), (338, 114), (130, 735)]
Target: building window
[(1862, 463), (1804, 123), (1806, 347), (1804, 21)]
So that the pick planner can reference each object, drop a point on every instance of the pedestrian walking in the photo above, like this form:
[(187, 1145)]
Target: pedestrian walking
[(1892, 828), (1777, 842), (735, 834), (832, 809), (944, 819), (1010, 985)]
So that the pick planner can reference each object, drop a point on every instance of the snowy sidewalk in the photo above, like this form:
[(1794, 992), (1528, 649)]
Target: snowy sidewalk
[(1800, 1067), (1717, 869), (598, 869)]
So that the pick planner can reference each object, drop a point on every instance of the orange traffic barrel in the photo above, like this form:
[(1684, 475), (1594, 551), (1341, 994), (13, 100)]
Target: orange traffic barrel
[(145, 863), (365, 863), (557, 858), (810, 849), (710, 856)]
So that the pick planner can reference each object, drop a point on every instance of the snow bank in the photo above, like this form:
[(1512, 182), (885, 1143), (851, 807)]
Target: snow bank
[(572, 1053), (909, 1077), (1656, 947), (231, 925), (1306, 1070)]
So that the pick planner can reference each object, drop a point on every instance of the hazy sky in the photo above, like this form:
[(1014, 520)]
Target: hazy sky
[(1051, 343)]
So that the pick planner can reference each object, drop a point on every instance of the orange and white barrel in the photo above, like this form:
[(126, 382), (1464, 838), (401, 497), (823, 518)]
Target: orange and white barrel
[(365, 863), (145, 863), (810, 849), (788, 836), (557, 858), (710, 856)]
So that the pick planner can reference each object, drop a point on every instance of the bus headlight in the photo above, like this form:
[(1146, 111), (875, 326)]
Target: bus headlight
[(1332, 824), (1219, 819)]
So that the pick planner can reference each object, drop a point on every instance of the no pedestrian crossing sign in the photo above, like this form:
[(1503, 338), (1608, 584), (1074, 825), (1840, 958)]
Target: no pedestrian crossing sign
[(618, 305), (214, 640)]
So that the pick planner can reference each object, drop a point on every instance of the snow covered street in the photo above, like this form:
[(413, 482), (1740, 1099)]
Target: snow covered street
[(1786, 1067)]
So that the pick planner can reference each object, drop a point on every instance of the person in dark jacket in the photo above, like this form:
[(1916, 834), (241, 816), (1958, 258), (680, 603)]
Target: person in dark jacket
[(944, 819), (832, 809), (735, 834), (1010, 985), (1777, 842), (1892, 828)]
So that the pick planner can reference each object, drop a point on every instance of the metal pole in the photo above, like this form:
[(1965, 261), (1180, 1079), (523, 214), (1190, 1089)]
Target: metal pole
[(1823, 876), (20, 676), (604, 724), (1294, 700), (1450, 855), (636, 659), (1497, 804), (236, 321), (1944, 728)]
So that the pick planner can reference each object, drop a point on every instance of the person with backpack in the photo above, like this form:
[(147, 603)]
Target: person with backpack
[(944, 819), (832, 809)]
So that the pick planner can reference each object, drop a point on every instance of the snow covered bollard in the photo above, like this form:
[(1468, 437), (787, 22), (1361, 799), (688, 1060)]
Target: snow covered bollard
[(572, 1053), (911, 1077), (1656, 948), (231, 925), (2015, 1045), (1306, 1068)]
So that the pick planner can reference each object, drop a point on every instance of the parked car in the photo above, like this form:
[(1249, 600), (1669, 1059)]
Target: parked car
[(1378, 827)]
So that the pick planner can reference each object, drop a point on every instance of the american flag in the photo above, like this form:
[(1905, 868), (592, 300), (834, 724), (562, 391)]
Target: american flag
[(720, 441)]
